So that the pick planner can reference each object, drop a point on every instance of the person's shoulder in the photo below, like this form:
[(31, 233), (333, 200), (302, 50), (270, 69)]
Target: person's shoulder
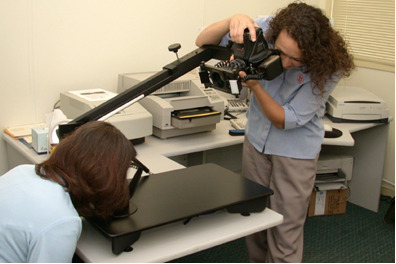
[(21, 168), (17, 173)]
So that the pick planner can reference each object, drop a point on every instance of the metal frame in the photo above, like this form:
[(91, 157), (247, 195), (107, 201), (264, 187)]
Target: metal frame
[(137, 92)]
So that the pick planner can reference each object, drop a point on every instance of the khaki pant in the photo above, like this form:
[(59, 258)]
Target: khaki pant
[(292, 181)]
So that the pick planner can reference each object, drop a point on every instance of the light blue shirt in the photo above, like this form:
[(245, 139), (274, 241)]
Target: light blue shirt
[(303, 131), (38, 221)]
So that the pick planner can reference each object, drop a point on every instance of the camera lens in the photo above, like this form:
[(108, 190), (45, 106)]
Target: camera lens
[(217, 79)]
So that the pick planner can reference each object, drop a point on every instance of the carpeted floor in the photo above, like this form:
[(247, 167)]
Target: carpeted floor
[(359, 235)]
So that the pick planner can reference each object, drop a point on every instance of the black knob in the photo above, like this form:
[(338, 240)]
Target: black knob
[(174, 47)]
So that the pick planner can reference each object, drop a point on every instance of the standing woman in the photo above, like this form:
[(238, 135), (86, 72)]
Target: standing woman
[(41, 205), (285, 127)]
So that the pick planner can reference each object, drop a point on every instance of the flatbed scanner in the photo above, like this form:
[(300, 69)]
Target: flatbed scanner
[(348, 104), (135, 122), (179, 108)]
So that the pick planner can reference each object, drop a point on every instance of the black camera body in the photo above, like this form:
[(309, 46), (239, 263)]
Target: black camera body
[(255, 58)]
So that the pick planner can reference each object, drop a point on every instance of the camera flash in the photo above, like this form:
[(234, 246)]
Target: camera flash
[(234, 86)]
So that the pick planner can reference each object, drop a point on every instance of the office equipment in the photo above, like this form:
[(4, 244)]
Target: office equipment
[(331, 164), (40, 139), (134, 121), (330, 193), (182, 194), (236, 105), (179, 108), (356, 105), (252, 57), (238, 123), (236, 132)]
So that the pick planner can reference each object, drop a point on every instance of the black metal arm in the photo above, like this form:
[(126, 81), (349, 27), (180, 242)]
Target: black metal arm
[(169, 73)]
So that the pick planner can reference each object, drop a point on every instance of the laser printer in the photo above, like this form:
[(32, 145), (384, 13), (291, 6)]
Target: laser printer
[(356, 105), (181, 107), (334, 165), (135, 122)]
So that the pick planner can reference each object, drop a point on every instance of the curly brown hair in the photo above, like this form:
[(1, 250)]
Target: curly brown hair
[(92, 164), (324, 51)]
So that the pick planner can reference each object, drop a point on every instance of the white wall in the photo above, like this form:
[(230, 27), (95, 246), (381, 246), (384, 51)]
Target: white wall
[(51, 46)]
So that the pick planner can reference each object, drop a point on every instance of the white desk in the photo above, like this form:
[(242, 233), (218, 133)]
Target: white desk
[(368, 142), (154, 147), (368, 154), (176, 240)]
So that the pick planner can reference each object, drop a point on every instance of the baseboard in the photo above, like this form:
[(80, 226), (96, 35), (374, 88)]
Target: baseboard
[(387, 189)]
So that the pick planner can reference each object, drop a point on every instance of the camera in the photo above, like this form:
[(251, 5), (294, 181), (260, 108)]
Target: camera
[(255, 58)]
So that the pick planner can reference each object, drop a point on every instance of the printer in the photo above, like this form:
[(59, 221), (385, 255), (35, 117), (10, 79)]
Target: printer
[(135, 122), (356, 105), (336, 165), (181, 107)]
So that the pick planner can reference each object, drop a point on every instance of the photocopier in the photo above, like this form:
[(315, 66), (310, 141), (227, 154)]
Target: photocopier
[(356, 105)]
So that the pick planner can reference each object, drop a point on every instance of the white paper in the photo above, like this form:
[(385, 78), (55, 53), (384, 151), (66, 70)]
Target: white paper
[(320, 203), (93, 95)]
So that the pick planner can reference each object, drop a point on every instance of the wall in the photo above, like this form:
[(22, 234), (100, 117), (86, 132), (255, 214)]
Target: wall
[(52, 46)]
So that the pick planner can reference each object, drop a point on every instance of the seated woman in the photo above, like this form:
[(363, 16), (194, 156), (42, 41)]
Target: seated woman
[(41, 204)]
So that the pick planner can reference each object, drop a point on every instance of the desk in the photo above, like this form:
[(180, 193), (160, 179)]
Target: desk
[(368, 154), (175, 240), (155, 148), (368, 142)]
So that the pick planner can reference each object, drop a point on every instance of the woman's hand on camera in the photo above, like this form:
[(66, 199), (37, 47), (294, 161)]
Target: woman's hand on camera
[(251, 84), (238, 23)]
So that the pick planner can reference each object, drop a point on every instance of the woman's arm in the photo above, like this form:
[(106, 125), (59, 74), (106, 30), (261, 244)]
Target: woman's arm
[(235, 24), (274, 111)]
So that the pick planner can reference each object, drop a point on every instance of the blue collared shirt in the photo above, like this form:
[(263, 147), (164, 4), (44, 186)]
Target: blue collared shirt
[(303, 130)]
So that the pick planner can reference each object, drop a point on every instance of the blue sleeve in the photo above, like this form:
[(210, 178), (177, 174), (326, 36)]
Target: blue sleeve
[(57, 243), (306, 104)]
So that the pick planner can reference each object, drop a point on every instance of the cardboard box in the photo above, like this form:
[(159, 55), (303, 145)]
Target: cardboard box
[(327, 202)]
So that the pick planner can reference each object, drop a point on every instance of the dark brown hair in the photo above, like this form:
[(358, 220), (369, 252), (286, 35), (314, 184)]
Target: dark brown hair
[(92, 165), (324, 51)]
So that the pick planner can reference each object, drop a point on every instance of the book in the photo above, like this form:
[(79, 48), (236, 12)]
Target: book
[(22, 131)]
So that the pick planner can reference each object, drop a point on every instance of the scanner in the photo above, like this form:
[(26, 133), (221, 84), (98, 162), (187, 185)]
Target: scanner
[(348, 104)]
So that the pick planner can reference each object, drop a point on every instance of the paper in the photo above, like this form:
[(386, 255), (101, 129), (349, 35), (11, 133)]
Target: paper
[(53, 120), (22, 131), (93, 95), (320, 203), (330, 186)]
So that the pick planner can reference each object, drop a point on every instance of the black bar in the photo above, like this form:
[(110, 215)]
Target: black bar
[(169, 73)]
